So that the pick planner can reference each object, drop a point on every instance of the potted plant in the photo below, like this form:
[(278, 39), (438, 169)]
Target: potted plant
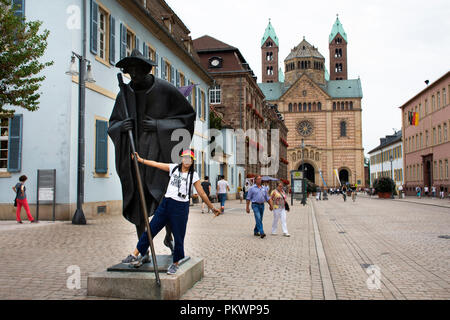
[(384, 187)]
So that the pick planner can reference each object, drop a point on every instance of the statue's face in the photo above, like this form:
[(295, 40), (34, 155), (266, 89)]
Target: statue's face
[(137, 72)]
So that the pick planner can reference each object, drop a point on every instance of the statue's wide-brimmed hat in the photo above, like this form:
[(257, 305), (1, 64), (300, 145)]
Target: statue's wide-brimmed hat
[(135, 57)]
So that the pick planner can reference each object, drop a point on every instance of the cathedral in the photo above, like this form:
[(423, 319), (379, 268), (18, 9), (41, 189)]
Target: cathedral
[(321, 108)]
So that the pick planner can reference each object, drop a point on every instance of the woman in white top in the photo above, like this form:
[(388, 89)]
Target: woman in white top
[(174, 208), (279, 212)]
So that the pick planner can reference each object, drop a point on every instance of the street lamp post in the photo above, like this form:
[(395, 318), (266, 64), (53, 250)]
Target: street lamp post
[(78, 217)]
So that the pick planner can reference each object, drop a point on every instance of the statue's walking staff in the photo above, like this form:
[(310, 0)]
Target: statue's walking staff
[(138, 178)]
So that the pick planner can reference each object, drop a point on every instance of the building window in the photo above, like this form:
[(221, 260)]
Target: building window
[(168, 71), (334, 105), (269, 56), (435, 173), (421, 140), (441, 171), (319, 106), (444, 97), (433, 105), (438, 100), (290, 107), (445, 131), (102, 34), (304, 106), (439, 134), (426, 138), (434, 136), (343, 127), (215, 95), (269, 71), (130, 43), (446, 168), (4, 136)]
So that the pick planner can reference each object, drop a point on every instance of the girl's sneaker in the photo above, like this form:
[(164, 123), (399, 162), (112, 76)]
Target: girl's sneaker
[(172, 269), (129, 259)]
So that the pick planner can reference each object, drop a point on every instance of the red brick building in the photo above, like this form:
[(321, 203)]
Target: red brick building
[(427, 146), (237, 98)]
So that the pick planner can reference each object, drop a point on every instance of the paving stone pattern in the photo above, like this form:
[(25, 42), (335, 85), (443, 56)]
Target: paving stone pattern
[(400, 238)]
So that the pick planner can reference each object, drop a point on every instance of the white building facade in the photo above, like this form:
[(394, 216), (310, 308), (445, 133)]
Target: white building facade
[(47, 138), (390, 148)]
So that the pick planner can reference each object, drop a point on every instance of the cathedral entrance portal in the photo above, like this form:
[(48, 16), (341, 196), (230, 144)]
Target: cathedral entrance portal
[(343, 176), (309, 172)]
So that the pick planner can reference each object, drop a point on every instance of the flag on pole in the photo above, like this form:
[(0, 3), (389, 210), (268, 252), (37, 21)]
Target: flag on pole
[(413, 118), (337, 176), (186, 90)]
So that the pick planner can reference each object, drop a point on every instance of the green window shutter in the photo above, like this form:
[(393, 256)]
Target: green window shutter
[(198, 98), (137, 43), (145, 49), (177, 77), (112, 40), (204, 106), (157, 66), (94, 26), (101, 146), (163, 69), (15, 143), (123, 41), (190, 94)]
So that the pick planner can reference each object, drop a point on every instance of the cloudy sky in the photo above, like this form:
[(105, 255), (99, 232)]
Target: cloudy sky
[(394, 45)]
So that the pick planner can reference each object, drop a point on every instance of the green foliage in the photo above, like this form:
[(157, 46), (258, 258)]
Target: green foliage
[(215, 122), (384, 184), (310, 186), (20, 49)]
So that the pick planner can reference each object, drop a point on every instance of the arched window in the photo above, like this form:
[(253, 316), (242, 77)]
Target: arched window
[(343, 129), (309, 64), (290, 107), (295, 107), (334, 105), (319, 106), (304, 106), (346, 105), (317, 156), (314, 106), (298, 65), (309, 106), (351, 105)]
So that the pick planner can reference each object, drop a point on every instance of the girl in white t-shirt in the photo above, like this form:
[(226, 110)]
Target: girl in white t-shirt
[(174, 208)]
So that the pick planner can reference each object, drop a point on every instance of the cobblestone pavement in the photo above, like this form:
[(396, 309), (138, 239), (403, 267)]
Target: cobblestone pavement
[(400, 238)]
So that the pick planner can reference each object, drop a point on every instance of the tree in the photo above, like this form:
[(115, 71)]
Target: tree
[(20, 49)]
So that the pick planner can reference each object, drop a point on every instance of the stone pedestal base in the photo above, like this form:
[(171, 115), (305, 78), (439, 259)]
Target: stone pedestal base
[(142, 285)]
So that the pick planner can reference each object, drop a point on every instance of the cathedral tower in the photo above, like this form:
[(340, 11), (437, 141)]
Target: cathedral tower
[(269, 55), (338, 52)]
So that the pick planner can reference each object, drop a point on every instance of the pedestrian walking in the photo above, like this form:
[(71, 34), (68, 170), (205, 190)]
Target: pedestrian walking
[(354, 194), (418, 191), (222, 188), (344, 193), (241, 194), (206, 185), (257, 195), (278, 197), (425, 190), (318, 194), (400, 191), (21, 199), (433, 192), (174, 208), (246, 187), (441, 193)]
